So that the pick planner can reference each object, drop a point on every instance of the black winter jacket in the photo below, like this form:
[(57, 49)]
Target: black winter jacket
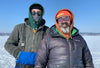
[(57, 52)]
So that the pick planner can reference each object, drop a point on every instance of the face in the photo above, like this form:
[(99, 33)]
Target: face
[(64, 23), (36, 14)]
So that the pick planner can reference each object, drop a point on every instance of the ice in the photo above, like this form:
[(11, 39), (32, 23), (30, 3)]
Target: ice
[(94, 46), (8, 61)]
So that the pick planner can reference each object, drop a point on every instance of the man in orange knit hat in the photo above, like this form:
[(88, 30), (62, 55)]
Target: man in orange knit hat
[(64, 47)]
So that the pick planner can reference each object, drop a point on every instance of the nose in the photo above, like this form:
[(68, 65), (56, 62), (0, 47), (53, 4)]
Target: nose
[(64, 21), (64, 24)]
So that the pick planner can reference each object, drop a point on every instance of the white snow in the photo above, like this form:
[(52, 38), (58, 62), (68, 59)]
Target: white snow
[(94, 46), (8, 61)]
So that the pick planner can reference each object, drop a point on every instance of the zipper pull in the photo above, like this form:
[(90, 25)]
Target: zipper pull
[(34, 30)]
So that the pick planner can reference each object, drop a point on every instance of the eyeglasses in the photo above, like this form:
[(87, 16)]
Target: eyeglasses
[(63, 18), (38, 13)]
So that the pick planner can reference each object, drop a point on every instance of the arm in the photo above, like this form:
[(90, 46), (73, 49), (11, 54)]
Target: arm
[(12, 43), (42, 55), (87, 58)]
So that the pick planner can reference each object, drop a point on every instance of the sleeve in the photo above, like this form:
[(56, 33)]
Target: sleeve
[(87, 57), (11, 44), (42, 54)]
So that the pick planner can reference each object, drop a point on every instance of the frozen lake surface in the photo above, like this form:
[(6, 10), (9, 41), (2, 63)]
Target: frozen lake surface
[(8, 61)]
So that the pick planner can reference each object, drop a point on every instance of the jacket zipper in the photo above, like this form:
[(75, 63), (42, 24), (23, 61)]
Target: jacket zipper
[(33, 40), (34, 36), (69, 52)]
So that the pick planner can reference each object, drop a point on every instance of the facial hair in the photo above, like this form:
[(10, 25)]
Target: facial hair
[(65, 30)]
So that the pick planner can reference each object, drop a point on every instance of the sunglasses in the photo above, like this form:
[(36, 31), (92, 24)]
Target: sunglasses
[(38, 13), (63, 18)]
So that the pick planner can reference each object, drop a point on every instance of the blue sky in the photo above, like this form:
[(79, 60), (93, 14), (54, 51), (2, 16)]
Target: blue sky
[(86, 13)]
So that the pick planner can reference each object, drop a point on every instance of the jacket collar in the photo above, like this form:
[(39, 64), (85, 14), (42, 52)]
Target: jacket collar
[(55, 33), (27, 23)]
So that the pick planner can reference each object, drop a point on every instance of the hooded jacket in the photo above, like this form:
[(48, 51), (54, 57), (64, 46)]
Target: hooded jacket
[(62, 13), (56, 51), (32, 42), (13, 44)]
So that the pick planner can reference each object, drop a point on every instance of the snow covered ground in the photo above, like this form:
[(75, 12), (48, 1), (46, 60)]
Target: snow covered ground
[(94, 46), (8, 61)]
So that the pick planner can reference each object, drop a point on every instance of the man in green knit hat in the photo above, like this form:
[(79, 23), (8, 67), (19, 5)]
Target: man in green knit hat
[(25, 39)]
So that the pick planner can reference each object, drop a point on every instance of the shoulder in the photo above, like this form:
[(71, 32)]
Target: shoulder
[(80, 39), (46, 27), (20, 25), (47, 36)]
